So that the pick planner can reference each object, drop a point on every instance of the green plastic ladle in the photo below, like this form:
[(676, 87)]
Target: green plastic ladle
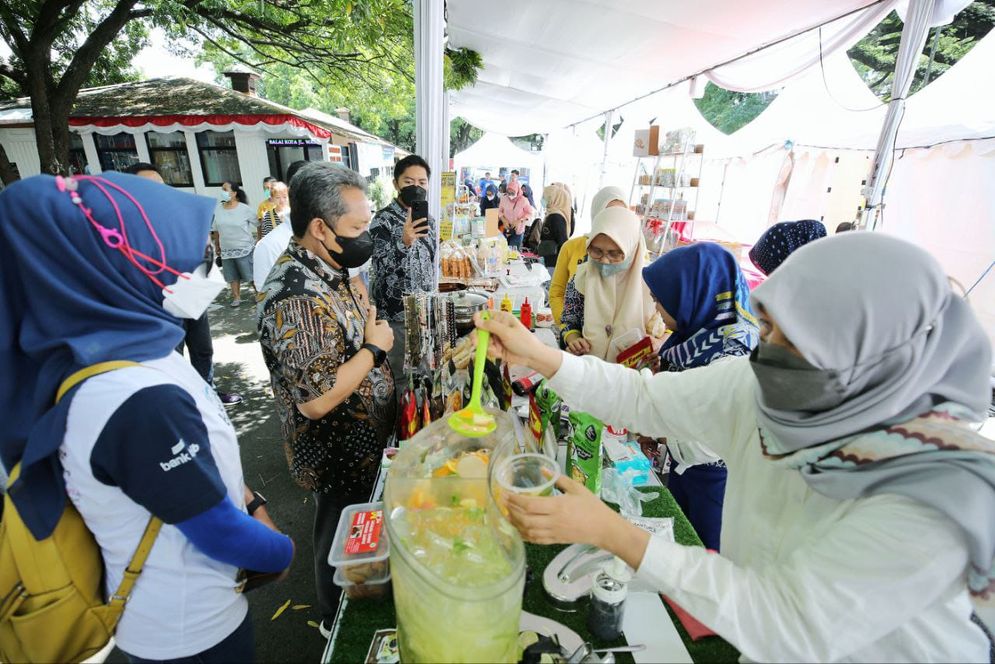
[(473, 421)]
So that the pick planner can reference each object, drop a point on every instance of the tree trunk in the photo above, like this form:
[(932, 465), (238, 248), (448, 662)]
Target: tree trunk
[(47, 115)]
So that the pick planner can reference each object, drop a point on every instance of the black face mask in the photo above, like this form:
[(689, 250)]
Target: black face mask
[(355, 250), (789, 382), (408, 195)]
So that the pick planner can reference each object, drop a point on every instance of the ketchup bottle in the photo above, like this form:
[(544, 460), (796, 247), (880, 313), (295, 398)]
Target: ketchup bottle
[(526, 313)]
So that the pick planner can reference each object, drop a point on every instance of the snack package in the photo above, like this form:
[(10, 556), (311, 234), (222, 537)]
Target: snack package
[(544, 409), (638, 355), (584, 450)]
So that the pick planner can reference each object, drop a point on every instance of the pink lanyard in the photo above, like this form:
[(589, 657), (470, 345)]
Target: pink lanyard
[(118, 238)]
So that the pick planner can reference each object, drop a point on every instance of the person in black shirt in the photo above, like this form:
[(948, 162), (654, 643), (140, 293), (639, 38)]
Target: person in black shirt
[(489, 199), (555, 230)]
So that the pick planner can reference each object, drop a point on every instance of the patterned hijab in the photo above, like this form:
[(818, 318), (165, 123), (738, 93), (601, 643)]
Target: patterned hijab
[(912, 361), (778, 241), (702, 288)]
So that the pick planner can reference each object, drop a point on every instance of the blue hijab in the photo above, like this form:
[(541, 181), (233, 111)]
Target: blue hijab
[(780, 240), (67, 301), (702, 288)]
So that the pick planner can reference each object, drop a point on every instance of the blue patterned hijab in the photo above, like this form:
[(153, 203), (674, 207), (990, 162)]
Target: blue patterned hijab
[(67, 301), (702, 288), (778, 241)]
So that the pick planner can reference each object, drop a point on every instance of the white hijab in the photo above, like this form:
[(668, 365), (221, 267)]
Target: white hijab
[(616, 304), (605, 196)]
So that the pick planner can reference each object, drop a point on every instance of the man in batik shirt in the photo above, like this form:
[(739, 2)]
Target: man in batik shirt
[(326, 356)]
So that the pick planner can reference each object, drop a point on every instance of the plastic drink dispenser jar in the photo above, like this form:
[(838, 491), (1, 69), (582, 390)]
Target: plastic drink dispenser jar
[(458, 565)]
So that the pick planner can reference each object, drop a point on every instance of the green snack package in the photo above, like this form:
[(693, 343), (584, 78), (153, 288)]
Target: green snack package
[(544, 408), (584, 450)]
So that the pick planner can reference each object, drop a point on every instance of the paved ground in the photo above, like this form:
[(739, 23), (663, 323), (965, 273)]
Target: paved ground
[(239, 368)]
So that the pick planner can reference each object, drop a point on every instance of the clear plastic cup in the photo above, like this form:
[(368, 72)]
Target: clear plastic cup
[(528, 474)]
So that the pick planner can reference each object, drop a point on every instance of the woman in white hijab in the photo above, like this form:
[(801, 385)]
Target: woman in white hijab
[(607, 296), (574, 251), (860, 505)]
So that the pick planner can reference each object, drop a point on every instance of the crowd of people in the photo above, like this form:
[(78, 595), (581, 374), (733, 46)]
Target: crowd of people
[(819, 429)]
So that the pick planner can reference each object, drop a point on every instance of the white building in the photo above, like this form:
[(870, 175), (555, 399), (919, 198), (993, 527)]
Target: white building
[(199, 135)]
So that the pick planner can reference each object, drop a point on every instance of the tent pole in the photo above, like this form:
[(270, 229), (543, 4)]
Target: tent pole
[(609, 115), (430, 111), (914, 34)]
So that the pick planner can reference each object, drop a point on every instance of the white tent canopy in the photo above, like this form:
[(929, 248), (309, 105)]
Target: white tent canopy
[(494, 151), (554, 63)]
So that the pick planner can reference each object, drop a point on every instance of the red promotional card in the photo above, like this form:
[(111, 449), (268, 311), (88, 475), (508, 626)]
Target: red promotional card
[(637, 355), (364, 534)]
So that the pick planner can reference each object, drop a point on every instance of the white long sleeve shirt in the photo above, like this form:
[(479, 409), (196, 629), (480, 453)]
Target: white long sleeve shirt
[(802, 577)]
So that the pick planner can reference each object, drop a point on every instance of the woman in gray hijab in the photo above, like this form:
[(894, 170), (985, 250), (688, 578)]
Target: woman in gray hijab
[(860, 506)]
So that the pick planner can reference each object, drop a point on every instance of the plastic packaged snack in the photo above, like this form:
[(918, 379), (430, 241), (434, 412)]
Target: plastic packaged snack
[(360, 550), (584, 450)]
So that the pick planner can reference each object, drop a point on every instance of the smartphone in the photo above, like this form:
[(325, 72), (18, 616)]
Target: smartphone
[(419, 214)]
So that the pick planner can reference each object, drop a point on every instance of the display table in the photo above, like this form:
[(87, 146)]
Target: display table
[(359, 619)]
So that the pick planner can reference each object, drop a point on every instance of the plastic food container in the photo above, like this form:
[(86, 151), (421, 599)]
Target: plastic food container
[(360, 551), (458, 566)]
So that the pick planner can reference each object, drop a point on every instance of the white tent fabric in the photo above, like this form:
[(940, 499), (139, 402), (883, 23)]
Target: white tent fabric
[(553, 63), (957, 106), (494, 151), (914, 33), (825, 106)]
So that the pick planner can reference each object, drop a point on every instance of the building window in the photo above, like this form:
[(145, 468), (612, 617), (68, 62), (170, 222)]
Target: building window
[(282, 152), (168, 152), (218, 157), (116, 152), (77, 155), (346, 156)]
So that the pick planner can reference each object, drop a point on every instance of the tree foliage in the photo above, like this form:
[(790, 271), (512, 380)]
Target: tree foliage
[(874, 57), (728, 110), (383, 105), (58, 46)]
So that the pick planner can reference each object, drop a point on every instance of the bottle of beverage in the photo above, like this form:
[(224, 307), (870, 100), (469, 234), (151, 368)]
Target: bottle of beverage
[(608, 593)]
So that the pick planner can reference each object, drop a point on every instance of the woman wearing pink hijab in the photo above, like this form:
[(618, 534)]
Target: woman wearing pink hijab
[(515, 212)]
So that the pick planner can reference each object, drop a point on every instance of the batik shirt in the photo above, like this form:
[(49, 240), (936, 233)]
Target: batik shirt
[(398, 270), (310, 323)]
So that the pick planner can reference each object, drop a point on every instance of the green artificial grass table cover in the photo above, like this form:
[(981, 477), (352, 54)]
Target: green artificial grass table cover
[(359, 619)]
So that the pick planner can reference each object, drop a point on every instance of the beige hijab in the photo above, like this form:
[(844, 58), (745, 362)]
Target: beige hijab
[(617, 304), (557, 202), (570, 197), (605, 196)]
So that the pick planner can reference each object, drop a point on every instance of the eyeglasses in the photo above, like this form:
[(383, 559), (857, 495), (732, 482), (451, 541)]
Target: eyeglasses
[(614, 255)]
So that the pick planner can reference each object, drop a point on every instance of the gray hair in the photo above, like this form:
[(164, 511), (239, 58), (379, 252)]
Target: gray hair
[(316, 191)]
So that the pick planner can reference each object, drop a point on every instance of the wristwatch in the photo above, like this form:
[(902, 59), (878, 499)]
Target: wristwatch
[(379, 354), (257, 501)]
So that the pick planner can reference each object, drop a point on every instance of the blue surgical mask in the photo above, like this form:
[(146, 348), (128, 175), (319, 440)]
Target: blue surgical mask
[(612, 269), (225, 196)]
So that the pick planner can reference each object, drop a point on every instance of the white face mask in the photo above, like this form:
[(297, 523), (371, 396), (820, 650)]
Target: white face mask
[(190, 297)]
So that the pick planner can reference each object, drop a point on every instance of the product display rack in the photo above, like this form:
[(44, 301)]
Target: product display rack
[(680, 180)]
